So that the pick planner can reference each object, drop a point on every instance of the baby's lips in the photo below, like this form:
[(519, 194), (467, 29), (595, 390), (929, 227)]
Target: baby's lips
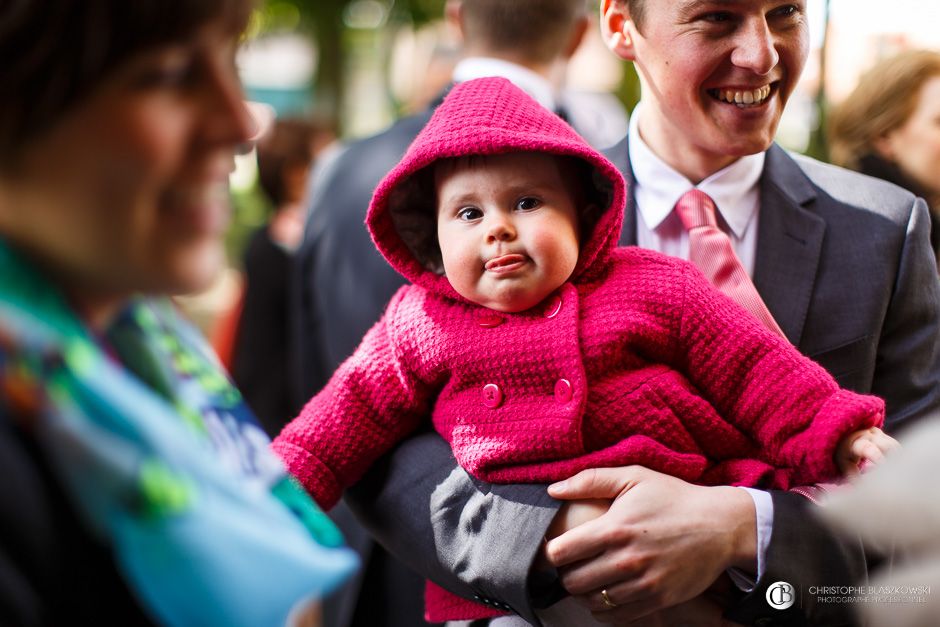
[(503, 260)]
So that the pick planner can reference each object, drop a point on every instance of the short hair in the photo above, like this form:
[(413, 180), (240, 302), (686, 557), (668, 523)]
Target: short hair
[(289, 143), (56, 52), (882, 101), (536, 30)]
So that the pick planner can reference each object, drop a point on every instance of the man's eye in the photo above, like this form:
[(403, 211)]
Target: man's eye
[(468, 214), (528, 203), (717, 17)]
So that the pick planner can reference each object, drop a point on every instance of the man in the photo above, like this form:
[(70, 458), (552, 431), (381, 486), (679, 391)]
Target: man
[(842, 263), (342, 283)]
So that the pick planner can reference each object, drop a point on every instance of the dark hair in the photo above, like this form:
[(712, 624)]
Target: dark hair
[(289, 144), (55, 52), (537, 30)]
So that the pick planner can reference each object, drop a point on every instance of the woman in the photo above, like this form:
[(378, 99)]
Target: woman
[(889, 127), (137, 488)]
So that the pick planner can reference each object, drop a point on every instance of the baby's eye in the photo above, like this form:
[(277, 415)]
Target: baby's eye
[(469, 214), (528, 203)]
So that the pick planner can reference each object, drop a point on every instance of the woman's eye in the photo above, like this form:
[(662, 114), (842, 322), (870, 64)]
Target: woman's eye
[(528, 203), (468, 214), (175, 70)]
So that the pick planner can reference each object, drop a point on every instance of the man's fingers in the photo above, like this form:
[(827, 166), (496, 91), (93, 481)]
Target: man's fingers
[(596, 483), (582, 542), (627, 613), (610, 570)]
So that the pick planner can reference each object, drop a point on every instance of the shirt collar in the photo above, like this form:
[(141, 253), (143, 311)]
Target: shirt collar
[(733, 188), (525, 79)]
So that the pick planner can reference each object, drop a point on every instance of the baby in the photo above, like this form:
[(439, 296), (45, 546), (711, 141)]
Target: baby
[(540, 348)]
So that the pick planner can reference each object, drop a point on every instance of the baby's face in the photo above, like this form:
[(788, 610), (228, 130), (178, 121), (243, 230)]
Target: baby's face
[(507, 227)]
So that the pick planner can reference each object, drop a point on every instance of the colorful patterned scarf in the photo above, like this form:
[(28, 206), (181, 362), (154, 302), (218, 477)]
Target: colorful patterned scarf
[(161, 458)]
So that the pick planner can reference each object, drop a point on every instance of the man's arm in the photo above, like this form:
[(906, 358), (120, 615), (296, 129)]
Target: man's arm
[(475, 539), (805, 553), (907, 373)]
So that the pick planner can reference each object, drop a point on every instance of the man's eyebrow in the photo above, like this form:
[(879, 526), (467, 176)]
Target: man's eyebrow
[(689, 7)]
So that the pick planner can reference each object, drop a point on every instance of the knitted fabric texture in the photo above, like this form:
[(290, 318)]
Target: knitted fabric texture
[(636, 360)]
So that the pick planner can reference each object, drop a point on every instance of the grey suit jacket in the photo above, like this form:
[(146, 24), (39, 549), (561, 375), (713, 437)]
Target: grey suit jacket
[(845, 265)]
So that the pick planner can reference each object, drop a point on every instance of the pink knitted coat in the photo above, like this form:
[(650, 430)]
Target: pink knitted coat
[(636, 360)]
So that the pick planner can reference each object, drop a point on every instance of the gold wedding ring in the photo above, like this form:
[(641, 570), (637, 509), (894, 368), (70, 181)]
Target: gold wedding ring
[(607, 600)]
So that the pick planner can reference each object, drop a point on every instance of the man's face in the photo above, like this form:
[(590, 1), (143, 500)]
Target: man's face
[(716, 74)]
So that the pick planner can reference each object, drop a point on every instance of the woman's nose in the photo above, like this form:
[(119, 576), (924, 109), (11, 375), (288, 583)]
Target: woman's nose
[(229, 121)]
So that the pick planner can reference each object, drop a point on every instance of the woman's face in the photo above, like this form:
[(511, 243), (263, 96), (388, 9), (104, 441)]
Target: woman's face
[(915, 145), (128, 192)]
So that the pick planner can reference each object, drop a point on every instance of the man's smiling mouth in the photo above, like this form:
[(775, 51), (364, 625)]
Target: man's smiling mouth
[(742, 98)]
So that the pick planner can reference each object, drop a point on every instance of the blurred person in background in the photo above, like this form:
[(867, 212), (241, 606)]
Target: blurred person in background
[(137, 487), (889, 127), (286, 154), (342, 283)]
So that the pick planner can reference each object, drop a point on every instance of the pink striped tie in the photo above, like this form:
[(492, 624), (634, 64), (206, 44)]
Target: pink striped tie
[(711, 252)]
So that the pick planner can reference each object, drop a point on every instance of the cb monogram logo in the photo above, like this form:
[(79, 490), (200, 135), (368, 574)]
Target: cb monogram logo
[(781, 595)]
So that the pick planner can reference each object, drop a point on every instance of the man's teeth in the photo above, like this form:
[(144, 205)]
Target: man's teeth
[(754, 96)]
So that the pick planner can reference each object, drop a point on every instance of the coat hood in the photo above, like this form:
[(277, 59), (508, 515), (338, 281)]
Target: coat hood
[(487, 116)]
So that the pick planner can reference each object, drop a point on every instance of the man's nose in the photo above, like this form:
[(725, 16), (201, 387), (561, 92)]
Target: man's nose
[(755, 47)]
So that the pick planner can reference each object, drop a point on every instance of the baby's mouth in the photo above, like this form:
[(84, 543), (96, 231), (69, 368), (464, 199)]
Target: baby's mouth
[(505, 263), (743, 97)]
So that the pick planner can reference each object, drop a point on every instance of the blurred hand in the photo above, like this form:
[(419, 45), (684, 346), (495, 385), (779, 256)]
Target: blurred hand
[(662, 541)]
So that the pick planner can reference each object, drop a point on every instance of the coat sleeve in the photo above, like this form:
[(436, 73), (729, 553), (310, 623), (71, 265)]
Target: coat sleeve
[(790, 406), (372, 401), (473, 538), (907, 373)]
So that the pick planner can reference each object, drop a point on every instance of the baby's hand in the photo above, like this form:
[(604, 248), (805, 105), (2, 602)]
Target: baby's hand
[(574, 513), (862, 449)]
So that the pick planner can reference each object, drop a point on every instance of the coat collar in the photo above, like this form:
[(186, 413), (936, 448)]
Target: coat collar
[(789, 238)]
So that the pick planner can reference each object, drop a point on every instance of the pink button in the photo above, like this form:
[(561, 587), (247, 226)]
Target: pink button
[(490, 320), (553, 307), (492, 395), (562, 391)]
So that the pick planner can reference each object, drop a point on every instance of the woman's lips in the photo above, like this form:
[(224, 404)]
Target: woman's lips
[(505, 263)]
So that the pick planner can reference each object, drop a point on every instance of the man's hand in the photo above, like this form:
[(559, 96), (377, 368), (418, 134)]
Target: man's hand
[(662, 542)]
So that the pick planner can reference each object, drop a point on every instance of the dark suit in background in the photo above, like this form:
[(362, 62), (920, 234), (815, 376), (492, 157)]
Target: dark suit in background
[(845, 265), (341, 285)]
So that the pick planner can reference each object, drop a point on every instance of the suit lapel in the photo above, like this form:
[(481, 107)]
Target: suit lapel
[(789, 238), (789, 242), (619, 155)]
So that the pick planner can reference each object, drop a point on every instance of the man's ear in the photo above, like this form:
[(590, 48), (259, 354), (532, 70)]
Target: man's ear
[(453, 16), (616, 27)]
